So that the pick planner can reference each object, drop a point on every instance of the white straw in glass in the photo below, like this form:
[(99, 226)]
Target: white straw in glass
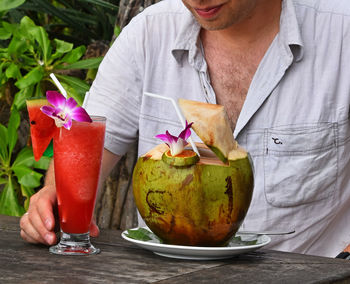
[(59, 86), (179, 114)]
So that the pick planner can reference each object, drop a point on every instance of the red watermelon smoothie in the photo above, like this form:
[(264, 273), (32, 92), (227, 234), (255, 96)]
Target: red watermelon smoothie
[(77, 161)]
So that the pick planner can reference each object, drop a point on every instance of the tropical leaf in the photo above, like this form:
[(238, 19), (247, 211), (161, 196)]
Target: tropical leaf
[(10, 4), (42, 38), (21, 96), (46, 7), (27, 23), (3, 143), (27, 177), (13, 71), (31, 78), (9, 204), (27, 192), (24, 158), (79, 21), (79, 16), (76, 88), (62, 47), (16, 47), (4, 65), (117, 31), (13, 125), (9, 27), (142, 234), (102, 3), (74, 55), (90, 63), (240, 241), (43, 163), (38, 92), (25, 31), (4, 34)]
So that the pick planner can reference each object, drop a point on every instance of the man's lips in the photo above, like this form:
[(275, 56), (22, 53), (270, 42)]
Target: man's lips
[(208, 12)]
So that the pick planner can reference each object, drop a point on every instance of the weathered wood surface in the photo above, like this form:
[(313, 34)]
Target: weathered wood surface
[(122, 262)]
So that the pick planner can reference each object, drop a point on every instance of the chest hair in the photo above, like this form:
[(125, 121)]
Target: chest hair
[(230, 75)]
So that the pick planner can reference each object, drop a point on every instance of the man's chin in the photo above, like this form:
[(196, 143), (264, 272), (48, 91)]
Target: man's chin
[(217, 23), (212, 26)]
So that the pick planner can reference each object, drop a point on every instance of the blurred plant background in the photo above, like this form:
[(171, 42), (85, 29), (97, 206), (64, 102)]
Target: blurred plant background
[(39, 37)]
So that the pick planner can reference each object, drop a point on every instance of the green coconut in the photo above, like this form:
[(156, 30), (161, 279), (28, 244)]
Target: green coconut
[(187, 200), (186, 158)]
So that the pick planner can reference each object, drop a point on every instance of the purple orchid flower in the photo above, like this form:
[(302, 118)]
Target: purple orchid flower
[(64, 110), (176, 144)]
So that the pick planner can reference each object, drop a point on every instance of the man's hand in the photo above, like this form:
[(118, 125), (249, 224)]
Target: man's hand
[(37, 225)]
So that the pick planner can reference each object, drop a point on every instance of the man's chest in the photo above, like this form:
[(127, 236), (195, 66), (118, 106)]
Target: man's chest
[(230, 78)]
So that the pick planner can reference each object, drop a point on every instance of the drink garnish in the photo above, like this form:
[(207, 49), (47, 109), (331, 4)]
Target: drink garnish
[(142, 234), (176, 143), (42, 128), (63, 110)]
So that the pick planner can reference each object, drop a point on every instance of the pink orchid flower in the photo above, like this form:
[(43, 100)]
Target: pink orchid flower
[(176, 144), (63, 110)]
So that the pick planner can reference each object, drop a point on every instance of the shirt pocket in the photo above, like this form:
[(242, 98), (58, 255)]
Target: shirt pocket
[(300, 164)]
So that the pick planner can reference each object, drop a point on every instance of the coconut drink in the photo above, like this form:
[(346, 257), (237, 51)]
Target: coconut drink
[(191, 199)]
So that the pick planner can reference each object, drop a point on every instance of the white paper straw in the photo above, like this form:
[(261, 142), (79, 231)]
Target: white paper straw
[(179, 114), (59, 86)]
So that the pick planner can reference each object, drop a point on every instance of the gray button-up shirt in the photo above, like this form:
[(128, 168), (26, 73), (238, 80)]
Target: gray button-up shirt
[(294, 122)]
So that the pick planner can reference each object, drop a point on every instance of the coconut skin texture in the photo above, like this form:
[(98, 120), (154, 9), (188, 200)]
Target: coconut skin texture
[(199, 205)]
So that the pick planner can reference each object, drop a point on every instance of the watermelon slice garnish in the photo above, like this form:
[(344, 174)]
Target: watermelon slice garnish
[(42, 127)]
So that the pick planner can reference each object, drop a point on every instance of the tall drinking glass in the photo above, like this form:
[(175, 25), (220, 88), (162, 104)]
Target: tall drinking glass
[(77, 161)]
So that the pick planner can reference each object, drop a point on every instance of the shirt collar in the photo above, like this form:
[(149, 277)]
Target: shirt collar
[(187, 40), (289, 36)]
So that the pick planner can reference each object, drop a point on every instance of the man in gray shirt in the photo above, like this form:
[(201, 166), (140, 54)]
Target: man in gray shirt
[(279, 68)]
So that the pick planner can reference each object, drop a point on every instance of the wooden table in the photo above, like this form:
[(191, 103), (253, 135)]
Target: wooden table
[(123, 262)]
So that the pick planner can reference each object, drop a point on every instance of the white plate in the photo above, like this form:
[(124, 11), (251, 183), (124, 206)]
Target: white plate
[(200, 253)]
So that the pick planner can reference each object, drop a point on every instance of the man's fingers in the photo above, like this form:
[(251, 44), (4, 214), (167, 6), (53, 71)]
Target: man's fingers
[(27, 238), (23, 224), (30, 232), (46, 214), (38, 223), (33, 226), (94, 230), (47, 235)]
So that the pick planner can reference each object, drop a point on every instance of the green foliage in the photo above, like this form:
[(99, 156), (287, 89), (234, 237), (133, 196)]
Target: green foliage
[(77, 21), (31, 56), (6, 5), (19, 175), (39, 37), (142, 234)]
